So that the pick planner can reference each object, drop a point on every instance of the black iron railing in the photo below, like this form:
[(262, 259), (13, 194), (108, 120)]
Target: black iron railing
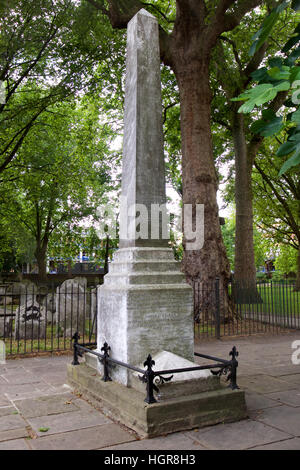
[(36, 319), (245, 308), (224, 367), (41, 319)]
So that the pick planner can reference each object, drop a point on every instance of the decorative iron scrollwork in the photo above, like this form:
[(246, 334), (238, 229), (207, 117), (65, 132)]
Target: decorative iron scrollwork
[(160, 380), (223, 371)]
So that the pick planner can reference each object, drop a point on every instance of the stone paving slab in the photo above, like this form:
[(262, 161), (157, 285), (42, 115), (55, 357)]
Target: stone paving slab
[(284, 417), (67, 421), (265, 384), (265, 368), (281, 371), (48, 405), (8, 410), (13, 378), (293, 379), (84, 439), (6, 436), (289, 444), (4, 401), (238, 436), (256, 401), (15, 444), (11, 421), (177, 441), (289, 397)]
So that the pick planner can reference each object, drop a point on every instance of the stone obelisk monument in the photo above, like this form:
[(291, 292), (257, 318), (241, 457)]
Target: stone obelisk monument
[(145, 305)]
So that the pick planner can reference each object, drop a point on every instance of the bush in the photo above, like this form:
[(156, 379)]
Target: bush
[(261, 276)]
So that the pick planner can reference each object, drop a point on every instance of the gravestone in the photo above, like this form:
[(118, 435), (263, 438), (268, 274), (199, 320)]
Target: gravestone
[(71, 309), (145, 305), (30, 321)]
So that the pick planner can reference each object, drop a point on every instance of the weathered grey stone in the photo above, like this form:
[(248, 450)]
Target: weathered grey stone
[(15, 444), (12, 434), (85, 439), (67, 422), (143, 174), (49, 303), (127, 405), (30, 321), (5, 327), (43, 406), (239, 436), (144, 314), (71, 306), (145, 306), (181, 384), (285, 418)]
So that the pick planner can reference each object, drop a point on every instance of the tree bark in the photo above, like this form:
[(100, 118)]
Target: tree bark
[(41, 258), (244, 270), (198, 171)]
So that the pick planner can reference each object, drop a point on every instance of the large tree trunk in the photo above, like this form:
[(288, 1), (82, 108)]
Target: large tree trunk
[(202, 266), (41, 258), (198, 171), (244, 270), (244, 288)]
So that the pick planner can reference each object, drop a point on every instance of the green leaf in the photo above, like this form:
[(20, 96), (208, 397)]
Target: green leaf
[(275, 62), (260, 74), (279, 74), (268, 114), (290, 163), (295, 74), (265, 128), (283, 86), (296, 116), (263, 33), (286, 148), (247, 107), (266, 96)]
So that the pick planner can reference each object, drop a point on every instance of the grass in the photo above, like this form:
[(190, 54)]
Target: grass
[(277, 299), (51, 343), (278, 310)]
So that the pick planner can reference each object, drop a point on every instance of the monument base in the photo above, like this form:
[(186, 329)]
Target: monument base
[(126, 405), (145, 306)]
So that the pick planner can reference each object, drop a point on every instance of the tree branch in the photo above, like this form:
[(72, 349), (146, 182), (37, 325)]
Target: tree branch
[(232, 20)]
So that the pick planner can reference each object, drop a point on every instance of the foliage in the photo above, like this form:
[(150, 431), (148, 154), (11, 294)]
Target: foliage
[(51, 52), (262, 246), (63, 172), (281, 76), (286, 260)]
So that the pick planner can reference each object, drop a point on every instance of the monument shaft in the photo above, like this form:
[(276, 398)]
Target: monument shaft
[(143, 173), (145, 306)]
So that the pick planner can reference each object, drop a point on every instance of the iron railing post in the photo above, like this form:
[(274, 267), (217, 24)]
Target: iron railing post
[(105, 348), (149, 378), (217, 294), (75, 338), (233, 369)]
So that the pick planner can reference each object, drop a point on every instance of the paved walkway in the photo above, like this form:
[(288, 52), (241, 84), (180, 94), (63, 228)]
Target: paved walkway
[(39, 411)]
